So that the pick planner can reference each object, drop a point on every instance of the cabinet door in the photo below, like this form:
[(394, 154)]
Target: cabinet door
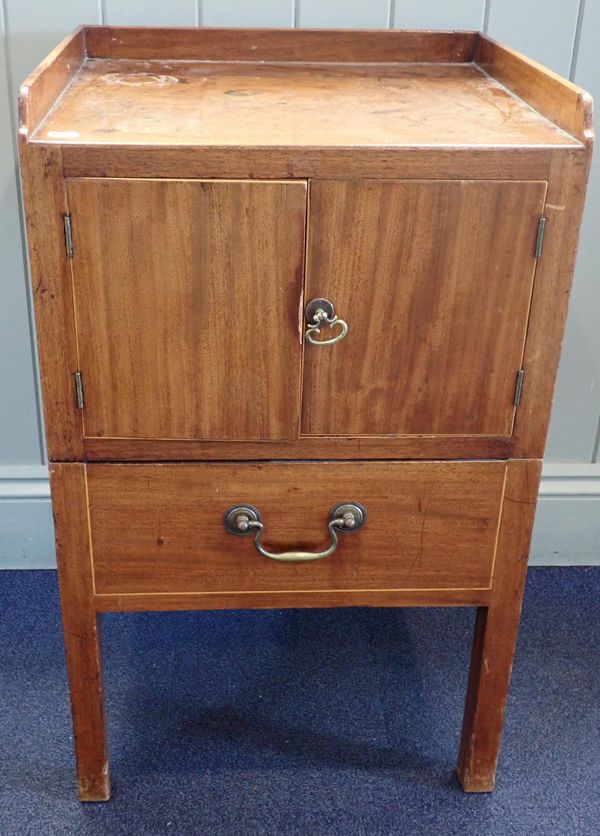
[(434, 279), (187, 296)]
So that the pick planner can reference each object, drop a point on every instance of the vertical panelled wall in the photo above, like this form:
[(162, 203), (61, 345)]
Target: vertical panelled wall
[(562, 35)]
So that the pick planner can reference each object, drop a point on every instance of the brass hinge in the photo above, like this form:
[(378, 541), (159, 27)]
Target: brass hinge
[(539, 240), (79, 389), (68, 235), (519, 387)]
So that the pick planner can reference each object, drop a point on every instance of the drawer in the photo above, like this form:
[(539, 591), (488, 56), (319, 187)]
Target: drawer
[(159, 528)]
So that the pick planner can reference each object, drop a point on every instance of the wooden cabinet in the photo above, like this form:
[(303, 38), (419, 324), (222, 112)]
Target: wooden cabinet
[(299, 298)]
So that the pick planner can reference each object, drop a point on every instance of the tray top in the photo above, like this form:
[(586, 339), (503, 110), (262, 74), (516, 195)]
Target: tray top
[(118, 101)]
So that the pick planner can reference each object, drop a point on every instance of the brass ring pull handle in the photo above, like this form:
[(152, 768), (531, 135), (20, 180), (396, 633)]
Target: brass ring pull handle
[(321, 312), (346, 517)]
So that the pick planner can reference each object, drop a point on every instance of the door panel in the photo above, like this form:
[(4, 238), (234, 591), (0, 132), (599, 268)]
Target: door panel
[(187, 296), (434, 279)]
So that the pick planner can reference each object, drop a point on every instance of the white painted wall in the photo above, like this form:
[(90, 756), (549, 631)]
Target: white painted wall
[(562, 35)]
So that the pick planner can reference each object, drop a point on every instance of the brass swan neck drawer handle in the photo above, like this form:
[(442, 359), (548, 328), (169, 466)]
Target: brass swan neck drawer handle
[(321, 312), (346, 517)]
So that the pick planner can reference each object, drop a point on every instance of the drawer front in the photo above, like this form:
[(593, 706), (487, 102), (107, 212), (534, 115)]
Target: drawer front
[(159, 528)]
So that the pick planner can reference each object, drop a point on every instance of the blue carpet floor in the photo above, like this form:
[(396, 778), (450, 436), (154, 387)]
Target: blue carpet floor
[(302, 722)]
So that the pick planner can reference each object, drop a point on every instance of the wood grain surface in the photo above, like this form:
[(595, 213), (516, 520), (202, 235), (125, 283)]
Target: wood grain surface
[(434, 280), (279, 162), (81, 629), (306, 447), (290, 45), (177, 601), (187, 303), (553, 281), (563, 102), (299, 105), (159, 528), (42, 87), (45, 204)]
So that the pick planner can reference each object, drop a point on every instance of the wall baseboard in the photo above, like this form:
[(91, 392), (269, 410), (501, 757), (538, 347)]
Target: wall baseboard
[(567, 528), (567, 525), (26, 527)]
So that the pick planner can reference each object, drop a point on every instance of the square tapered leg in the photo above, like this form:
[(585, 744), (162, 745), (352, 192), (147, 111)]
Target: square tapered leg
[(81, 630), (496, 628)]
